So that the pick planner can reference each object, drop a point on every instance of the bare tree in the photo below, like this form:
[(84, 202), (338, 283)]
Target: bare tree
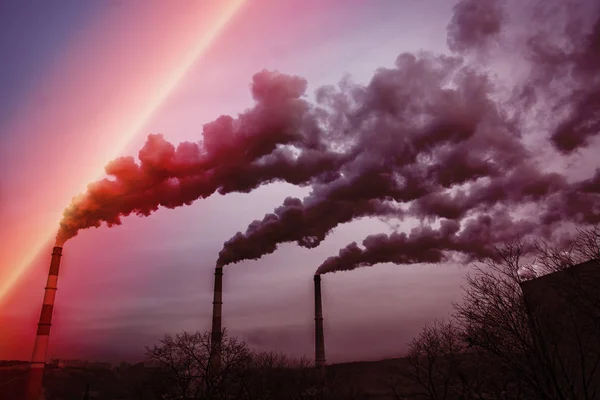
[(244, 374), (439, 366), (582, 247), (538, 339), (494, 319), (187, 373)]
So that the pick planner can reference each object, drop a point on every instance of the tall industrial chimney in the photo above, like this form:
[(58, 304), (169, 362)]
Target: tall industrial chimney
[(38, 359), (216, 335), (319, 339)]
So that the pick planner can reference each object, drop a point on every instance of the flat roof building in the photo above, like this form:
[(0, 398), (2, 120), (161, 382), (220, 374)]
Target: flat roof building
[(564, 317)]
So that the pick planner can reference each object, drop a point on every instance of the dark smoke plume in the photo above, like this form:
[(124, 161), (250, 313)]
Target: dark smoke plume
[(427, 245), (279, 139), (403, 127), (435, 138), (579, 203)]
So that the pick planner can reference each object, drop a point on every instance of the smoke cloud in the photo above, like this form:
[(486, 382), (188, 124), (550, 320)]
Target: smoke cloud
[(427, 245), (475, 24), (563, 50), (436, 138), (279, 139)]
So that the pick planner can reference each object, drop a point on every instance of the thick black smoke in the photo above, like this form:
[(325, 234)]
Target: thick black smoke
[(434, 138)]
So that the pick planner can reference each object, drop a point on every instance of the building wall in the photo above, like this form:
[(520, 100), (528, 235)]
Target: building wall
[(564, 313)]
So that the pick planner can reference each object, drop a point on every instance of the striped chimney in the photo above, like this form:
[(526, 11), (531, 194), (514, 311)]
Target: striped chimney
[(319, 338), (216, 335), (38, 359)]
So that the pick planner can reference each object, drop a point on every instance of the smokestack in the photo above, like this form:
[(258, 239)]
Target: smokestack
[(319, 339), (216, 336), (38, 359)]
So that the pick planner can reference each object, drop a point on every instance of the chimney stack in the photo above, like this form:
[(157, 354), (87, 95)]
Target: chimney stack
[(319, 339), (216, 335), (38, 359)]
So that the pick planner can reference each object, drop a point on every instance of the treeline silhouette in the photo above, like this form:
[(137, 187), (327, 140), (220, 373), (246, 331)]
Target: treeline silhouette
[(528, 327), (511, 338)]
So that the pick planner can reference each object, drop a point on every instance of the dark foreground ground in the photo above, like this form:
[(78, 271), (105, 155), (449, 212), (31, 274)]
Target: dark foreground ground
[(364, 380)]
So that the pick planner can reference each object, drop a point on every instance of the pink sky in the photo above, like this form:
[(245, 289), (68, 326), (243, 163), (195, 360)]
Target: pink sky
[(123, 288)]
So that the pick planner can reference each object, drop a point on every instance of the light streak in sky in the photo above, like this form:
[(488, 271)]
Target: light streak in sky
[(132, 128)]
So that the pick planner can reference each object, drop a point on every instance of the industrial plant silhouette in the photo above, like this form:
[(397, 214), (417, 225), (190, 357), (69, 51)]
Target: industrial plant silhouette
[(561, 307), (481, 170)]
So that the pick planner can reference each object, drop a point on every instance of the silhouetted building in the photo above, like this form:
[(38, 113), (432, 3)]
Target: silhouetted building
[(82, 364), (564, 314)]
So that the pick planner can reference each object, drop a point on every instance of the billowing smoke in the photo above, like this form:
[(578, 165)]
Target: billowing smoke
[(475, 24), (562, 46), (279, 139), (437, 138), (476, 240), (427, 245)]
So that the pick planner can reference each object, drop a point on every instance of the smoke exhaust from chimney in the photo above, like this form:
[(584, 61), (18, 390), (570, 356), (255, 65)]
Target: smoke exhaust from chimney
[(217, 333), (40, 348), (319, 338)]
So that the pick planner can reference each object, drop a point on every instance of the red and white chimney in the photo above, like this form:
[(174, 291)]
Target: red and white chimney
[(40, 348)]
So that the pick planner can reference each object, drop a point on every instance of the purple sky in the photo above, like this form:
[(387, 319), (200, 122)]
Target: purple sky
[(123, 288)]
